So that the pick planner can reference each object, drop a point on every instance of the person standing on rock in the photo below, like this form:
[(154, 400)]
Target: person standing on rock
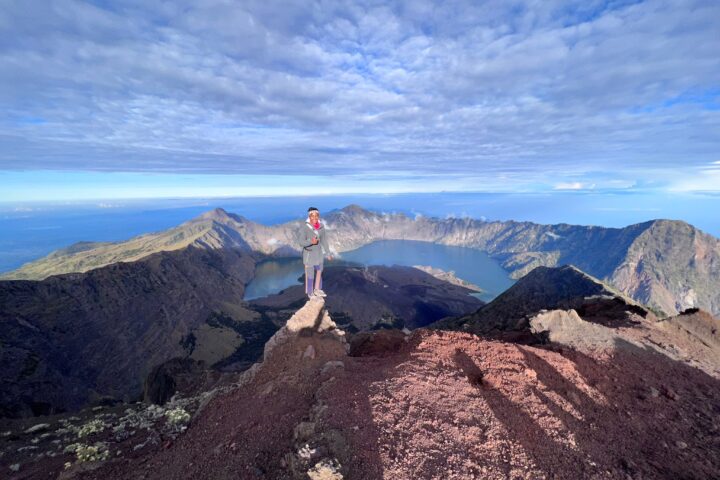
[(312, 238)]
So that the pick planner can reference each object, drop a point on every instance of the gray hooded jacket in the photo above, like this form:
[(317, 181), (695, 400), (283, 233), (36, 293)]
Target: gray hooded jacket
[(312, 254)]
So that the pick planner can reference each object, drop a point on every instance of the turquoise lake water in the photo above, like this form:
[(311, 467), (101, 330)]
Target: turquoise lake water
[(468, 264)]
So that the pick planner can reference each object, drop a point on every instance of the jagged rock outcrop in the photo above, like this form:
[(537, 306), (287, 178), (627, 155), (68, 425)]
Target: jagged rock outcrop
[(668, 265), (565, 327), (690, 338)]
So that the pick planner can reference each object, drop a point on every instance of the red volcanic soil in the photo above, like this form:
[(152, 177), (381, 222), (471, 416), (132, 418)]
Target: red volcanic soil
[(449, 405), (452, 406)]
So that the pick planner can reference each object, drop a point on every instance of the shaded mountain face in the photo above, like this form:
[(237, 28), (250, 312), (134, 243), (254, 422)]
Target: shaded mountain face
[(547, 288), (381, 297), (668, 265), (75, 338)]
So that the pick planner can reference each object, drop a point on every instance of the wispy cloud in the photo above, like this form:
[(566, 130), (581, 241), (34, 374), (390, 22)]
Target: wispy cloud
[(521, 93), (574, 186)]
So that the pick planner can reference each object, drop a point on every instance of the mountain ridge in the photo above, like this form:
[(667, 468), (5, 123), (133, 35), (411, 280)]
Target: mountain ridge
[(641, 260)]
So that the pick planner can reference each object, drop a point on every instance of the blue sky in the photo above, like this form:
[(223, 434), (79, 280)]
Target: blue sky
[(130, 99)]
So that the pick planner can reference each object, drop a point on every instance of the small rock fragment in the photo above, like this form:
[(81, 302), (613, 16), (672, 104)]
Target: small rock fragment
[(309, 352), (326, 470), (331, 365), (306, 452), (38, 428), (671, 394)]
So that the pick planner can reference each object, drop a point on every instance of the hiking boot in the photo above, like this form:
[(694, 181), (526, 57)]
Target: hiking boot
[(319, 293)]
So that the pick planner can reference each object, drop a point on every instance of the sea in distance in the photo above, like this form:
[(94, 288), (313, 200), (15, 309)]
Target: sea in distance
[(29, 231)]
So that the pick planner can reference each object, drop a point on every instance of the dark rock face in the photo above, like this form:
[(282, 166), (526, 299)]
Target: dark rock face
[(378, 343), (547, 289), (159, 386), (381, 297), (183, 376), (72, 339)]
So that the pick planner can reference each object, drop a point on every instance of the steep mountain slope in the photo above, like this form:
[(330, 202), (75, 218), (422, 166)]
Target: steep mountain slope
[(668, 265), (695, 323), (79, 337), (213, 229)]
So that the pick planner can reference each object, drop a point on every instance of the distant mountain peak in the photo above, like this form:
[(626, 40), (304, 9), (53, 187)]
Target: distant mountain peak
[(354, 208), (218, 213)]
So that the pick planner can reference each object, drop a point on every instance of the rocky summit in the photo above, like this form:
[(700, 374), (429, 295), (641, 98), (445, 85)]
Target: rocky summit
[(596, 400)]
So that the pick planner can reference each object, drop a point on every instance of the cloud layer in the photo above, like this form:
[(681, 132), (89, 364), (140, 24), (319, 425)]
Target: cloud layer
[(568, 94)]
